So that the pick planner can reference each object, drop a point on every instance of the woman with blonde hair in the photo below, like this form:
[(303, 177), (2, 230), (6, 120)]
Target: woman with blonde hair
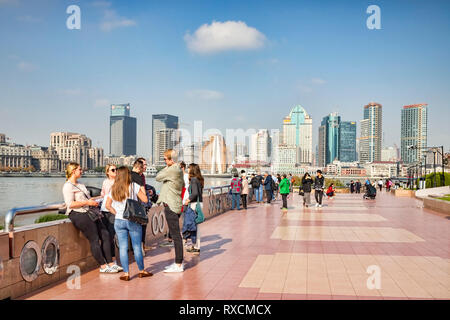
[(108, 217), (123, 189), (78, 201)]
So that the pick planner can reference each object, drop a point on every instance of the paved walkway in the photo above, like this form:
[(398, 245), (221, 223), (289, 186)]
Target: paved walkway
[(311, 253)]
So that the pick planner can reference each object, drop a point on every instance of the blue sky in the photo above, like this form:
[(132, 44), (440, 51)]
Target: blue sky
[(319, 54)]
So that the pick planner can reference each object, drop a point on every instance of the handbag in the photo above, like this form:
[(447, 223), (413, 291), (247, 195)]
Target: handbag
[(200, 216), (93, 213), (134, 211)]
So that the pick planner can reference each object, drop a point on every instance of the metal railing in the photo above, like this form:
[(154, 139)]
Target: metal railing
[(11, 214)]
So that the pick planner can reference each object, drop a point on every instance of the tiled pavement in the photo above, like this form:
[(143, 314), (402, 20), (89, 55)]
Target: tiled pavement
[(311, 253)]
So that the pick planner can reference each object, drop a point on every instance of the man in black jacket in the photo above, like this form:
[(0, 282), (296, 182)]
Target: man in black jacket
[(319, 183), (268, 187)]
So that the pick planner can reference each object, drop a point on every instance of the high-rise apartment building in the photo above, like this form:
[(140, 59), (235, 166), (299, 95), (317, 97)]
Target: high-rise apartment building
[(161, 122), (297, 131), (122, 131), (329, 139), (413, 132), (165, 139), (371, 133), (261, 146)]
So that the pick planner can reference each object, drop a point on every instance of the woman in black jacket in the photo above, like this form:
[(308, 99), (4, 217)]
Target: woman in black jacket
[(306, 187), (196, 184)]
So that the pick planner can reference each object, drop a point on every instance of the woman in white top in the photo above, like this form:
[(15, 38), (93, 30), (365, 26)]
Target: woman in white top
[(108, 217), (122, 190), (78, 201)]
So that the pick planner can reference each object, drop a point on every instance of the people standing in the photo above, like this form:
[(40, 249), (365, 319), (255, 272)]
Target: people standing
[(380, 184), (284, 190), (123, 189), (259, 189), (235, 188), (319, 183), (268, 186), (358, 186), (245, 189), (195, 192), (109, 218), (78, 203), (170, 196), (306, 187), (352, 186), (254, 184), (138, 177), (291, 179)]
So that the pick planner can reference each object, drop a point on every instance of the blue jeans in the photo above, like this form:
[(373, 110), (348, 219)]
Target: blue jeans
[(123, 228), (259, 194), (235, 199)]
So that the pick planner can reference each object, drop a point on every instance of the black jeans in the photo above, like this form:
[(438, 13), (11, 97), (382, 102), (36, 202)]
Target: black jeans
[(318, 194), (174, 229), (94, 232), (284, 197), (269, 195), (108, 221), (244, 200)]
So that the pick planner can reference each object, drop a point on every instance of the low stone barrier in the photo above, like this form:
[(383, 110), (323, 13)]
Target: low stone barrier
[(403, 193), (438, 205), (37, 255)]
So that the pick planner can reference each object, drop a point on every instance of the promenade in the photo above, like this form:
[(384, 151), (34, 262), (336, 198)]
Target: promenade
[(309, 253)]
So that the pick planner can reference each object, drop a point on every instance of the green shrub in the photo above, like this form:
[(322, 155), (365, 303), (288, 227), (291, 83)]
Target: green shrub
[(1, 227), (430, 179), (50, 217)]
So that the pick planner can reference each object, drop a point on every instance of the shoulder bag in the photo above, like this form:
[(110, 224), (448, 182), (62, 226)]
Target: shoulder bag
[(134, 211), (200, 216), (93, 213)]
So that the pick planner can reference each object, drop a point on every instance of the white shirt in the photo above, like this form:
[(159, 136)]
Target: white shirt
[(186, 185), (119, 206)]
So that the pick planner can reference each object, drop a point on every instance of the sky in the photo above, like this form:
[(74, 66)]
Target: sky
[(231, 64)]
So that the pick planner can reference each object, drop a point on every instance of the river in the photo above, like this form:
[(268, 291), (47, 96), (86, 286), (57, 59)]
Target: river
[(32, 191)]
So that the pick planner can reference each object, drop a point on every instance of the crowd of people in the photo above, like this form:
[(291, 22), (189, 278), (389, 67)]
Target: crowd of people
[(107, 220)]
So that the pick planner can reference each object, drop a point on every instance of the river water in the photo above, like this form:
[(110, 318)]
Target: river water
[(33, 191)]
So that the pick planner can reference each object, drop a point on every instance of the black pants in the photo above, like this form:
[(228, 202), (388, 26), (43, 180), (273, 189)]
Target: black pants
[(244, 200), (380, 186), (318, 194), (269, 195), (94, 232), (284, 197), (108, 221), (174, 230)]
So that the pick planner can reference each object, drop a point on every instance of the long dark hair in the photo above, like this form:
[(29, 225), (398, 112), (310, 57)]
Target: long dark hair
[(121, 186), (306, 174), (195, 172)]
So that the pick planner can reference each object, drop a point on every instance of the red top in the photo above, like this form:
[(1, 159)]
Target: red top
[(236, 185)]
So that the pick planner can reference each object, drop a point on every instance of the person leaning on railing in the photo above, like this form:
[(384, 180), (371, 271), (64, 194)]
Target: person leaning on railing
[(76, 197), (108, 217)]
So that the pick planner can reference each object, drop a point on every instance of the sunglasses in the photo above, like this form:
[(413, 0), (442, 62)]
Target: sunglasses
[(112, 170)]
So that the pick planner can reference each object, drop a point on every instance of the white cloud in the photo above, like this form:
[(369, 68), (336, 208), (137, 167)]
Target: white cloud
[(111, 21), (318, 81), (100, 103), (224, 36), (26, 66), (205, 94)]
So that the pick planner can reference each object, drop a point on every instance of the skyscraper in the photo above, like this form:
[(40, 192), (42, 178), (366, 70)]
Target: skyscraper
[(347, 141), (329, 138), (165, 139), (371, 133), (260, 146), (297, 131), (161, 122), (122, 131), (413, 131)]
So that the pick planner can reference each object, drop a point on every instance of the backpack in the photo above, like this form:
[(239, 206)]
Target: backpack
[(274, 185)]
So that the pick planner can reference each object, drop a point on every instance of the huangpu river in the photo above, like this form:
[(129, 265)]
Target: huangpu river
[(33, 191)]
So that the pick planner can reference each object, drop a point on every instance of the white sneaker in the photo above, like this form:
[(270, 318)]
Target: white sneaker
[(108, 269), (320, 206), (169, 266), (174, 268), (117, 267), (317, 205)]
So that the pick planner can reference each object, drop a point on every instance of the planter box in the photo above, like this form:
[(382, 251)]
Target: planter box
[(342, 190), (404, 193), (438, 205)]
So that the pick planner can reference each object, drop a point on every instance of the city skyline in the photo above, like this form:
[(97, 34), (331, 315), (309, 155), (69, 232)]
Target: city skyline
[(51, 72)]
